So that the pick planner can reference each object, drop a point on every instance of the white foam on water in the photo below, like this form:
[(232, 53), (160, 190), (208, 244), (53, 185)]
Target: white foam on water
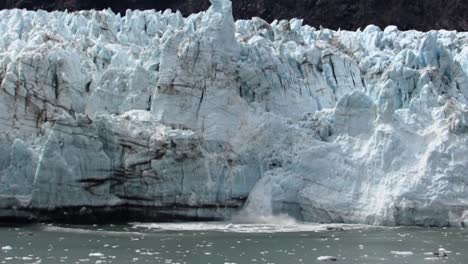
[(51, 228), (273, 227), (432, 258), (402, 253)]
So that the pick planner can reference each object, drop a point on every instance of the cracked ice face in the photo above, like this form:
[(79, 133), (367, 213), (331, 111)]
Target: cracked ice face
[(189, 117)]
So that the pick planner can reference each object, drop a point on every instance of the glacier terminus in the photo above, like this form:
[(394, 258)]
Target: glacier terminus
[(154, 116)]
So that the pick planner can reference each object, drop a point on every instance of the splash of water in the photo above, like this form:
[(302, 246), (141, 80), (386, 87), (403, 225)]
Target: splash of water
[(259, 208)]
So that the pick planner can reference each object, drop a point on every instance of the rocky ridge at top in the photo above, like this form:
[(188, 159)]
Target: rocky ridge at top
[(345, 14)]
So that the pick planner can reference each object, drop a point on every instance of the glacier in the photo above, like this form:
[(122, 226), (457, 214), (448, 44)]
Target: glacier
[(154, 116)]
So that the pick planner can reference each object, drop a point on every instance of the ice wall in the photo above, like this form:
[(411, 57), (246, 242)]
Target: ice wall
[(153, 116)]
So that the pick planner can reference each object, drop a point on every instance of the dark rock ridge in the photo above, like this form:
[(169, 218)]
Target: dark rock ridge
[(345, 14)]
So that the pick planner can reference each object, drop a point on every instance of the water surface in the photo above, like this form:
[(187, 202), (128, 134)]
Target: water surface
[(202, 243)]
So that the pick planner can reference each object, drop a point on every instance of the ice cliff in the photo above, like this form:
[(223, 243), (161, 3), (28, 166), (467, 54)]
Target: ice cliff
[(153, 116)]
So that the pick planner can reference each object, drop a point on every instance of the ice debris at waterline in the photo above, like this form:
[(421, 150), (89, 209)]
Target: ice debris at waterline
[(153, 116), (250, 228)]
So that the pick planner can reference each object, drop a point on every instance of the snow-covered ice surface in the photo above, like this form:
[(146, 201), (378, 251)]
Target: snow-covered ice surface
[(165, 117)]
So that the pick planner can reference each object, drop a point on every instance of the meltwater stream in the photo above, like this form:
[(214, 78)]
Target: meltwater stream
[(203, 243)]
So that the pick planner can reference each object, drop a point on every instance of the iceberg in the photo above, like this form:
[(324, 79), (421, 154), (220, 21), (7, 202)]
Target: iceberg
[(154, 116)]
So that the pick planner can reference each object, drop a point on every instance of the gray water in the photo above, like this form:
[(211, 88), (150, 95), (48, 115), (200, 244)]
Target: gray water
[(204, 243)]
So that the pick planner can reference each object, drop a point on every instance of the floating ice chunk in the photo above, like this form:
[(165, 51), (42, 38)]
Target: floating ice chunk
[(327, 258), (7, 248), (441, 253)]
